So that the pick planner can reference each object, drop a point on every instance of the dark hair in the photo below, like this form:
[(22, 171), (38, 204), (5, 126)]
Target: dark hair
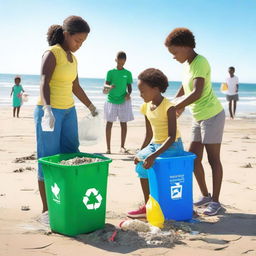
[(154, 78), (17, 78), (121, 55), (232, 68), (72, 24), (180, 37)]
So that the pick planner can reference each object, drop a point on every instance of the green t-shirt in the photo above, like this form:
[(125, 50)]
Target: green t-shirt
[(120, 78), (208, 104)]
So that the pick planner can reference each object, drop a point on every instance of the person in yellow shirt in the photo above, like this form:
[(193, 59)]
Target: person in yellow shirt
[(161, 126), (55, 114)]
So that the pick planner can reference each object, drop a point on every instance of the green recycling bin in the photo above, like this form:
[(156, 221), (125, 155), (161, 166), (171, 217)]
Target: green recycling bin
[(76, 195)]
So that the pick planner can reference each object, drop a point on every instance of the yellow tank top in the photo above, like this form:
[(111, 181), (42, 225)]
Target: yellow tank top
[(65, 72), (159, 120)]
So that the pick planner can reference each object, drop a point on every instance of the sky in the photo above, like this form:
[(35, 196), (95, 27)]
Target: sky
[(224, 31)]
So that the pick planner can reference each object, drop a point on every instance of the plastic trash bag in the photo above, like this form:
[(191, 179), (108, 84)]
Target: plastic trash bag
[(91, 129), (154, 213), (224, 88), (24, 97)]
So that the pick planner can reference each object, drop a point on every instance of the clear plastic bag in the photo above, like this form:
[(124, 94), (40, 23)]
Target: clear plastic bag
[(91, 129), (24, 97)]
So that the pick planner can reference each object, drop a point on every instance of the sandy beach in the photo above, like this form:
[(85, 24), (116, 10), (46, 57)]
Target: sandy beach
[(233, 232)]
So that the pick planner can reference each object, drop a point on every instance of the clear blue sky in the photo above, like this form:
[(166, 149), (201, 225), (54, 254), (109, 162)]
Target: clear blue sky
[(225, 32)]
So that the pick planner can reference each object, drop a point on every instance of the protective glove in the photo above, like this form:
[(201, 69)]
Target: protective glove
[(48, 119), (93, 110)]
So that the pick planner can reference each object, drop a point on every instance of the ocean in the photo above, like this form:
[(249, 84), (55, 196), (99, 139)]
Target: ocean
[(246, 107)]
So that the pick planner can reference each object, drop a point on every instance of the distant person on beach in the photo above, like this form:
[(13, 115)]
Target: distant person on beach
[(16, 95), (59, 81), (162, 136), (118, 87), (207, 111), (232, 92)]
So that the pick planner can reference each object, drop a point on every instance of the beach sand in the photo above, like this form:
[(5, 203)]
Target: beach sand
[(232, 233)]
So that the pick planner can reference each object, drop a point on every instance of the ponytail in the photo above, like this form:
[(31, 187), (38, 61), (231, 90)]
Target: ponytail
[(55, 35)]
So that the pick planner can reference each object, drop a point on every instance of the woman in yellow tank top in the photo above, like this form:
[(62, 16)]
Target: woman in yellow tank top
[(55, 114)]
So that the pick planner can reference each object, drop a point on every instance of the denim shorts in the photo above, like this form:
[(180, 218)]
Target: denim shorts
[(64, 138), (176, 149)]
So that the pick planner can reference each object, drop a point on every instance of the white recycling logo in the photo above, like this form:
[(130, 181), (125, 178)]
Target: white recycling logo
[(96, 194), (176, 191)]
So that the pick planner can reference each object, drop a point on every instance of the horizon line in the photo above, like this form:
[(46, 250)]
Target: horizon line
[(104, 78)]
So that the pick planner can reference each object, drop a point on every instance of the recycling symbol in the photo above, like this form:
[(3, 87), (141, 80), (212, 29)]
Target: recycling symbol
[(92, 199)]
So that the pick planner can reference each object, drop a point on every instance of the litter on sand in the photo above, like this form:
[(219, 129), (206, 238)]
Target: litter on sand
[(25, 208), (138, 234)]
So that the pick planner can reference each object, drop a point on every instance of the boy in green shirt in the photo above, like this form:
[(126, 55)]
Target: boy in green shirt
[(118, 86), (207, 111)]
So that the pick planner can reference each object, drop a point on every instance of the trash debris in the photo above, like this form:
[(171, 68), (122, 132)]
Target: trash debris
[(80, 161), (24, 158), (23, 169), (112, 238), (135, 225), (249, 165), (25, 208), (135, 239)]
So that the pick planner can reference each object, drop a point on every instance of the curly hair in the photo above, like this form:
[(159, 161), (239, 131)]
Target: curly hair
[(180, 37), (72, 24), (154, 78)]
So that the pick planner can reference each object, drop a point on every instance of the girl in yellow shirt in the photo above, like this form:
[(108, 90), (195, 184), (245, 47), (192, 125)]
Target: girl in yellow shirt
[(161, 126), (55, 114)]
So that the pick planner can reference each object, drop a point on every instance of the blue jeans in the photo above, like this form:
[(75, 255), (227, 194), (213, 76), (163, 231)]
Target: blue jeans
[(176, 149), (64, 138)]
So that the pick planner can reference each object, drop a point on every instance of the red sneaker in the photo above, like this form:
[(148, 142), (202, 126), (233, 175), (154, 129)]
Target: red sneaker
[(140, 213)]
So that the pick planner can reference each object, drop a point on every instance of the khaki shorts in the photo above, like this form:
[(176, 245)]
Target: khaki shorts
[(209, 131)]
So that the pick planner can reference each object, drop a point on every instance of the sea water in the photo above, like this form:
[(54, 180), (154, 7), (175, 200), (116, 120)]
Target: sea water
[(246, 107)]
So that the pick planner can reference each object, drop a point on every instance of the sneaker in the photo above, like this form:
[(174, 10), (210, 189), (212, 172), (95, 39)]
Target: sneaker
[(203, 201), (212, 208), (44, 219), (140, 213), (123, 151)]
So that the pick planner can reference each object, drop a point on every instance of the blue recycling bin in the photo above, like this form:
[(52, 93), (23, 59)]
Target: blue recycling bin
[(170, 183)]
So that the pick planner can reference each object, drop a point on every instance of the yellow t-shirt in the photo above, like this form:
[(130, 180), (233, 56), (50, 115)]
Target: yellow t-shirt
[(65, 72), (159, 120)]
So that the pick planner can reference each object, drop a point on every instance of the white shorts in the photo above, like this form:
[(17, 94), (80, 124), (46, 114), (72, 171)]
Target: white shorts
[(122, 111)]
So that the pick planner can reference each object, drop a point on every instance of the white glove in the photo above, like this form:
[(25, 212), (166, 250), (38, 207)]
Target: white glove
[(93, 110), (48, 120)]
